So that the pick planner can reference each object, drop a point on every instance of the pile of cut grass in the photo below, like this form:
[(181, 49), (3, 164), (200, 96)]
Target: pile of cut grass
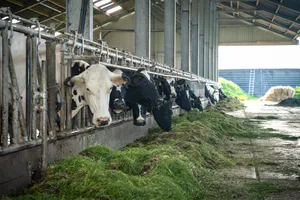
[(233, 90), (177, 165), (297, 93)]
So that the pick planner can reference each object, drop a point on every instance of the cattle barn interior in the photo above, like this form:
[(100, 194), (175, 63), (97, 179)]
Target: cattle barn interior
[(80, 73)]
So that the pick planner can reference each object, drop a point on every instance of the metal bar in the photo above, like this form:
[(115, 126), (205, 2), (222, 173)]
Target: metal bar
[(14, 81), (28, 85), (5, 90), (28, 7), (185, 35), (51, 83), (142, 28), (26, 30), (195, 37), (210, 53), (69, 99), (43, 109), (56, 10), (34, 89), (170, 33), (15, 101), (62, 88)]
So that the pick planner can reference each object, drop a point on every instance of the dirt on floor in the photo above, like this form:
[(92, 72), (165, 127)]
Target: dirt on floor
[(273, 159)]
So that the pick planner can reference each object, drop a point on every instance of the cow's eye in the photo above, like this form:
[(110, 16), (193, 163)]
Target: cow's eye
[(87, 89)]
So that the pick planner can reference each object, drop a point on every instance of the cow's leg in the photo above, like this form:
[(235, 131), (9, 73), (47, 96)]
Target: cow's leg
[(138, 119)]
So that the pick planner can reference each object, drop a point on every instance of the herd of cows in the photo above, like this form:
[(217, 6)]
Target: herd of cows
[(120, 91)]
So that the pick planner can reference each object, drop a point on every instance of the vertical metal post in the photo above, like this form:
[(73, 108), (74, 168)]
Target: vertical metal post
[(206, 39), (217, 44), (170, 33), (210, 53), (43, 109), (213, 44), (185, 35), (28, 85), (5, 90), (201, 21), (142, 28), (195, 37), (62, 89), (68, 99), (51, 83), (34, 89)]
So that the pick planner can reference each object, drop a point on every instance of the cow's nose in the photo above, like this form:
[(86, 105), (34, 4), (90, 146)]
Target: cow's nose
[(102, 121)]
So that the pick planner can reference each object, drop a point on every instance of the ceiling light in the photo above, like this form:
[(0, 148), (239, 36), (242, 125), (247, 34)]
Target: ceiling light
[(14, 21), (114, 9), (41, 28), (107, 5), (57, 34), (101, 3), (6, 17)]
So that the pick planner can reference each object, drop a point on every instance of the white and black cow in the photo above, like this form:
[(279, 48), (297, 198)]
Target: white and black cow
[(209, 93), (92, 85), (141, 96)]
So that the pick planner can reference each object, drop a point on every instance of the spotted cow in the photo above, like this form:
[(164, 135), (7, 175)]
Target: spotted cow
[(92, 85)]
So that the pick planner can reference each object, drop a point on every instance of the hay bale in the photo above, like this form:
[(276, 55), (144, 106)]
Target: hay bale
[(279, 93)]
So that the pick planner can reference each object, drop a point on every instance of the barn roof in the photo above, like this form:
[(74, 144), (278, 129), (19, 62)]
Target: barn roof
[(278, 16)]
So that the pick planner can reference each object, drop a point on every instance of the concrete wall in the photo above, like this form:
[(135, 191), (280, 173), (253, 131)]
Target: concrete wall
[(264, 78), (18, 169)]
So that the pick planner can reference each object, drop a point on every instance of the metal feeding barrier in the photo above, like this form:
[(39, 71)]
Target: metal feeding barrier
[(38, 124)]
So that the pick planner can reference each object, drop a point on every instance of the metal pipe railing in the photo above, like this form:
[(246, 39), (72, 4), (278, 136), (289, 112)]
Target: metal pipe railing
[(33, 76), (43, 109), (5, 91)]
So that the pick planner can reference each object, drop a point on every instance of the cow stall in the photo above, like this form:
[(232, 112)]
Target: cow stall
[(34, 65)]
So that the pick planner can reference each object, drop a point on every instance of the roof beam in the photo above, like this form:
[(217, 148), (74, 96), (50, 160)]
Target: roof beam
[(21, 4), (254, 22), (270, 11)]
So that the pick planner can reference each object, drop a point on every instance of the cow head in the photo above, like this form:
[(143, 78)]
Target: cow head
[(93, 87), (209, 93), (163, 88), (183, 95), (172, 83), (117, 97)]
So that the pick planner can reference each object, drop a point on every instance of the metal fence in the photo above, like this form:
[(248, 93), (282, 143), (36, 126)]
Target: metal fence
[(38, 126)]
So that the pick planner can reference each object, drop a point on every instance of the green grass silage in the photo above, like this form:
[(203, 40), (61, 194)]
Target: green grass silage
[(233, 90), (297, 93), (177, 165)]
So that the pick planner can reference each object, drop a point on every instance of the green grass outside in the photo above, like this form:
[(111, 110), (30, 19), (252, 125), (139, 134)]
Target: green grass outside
[(233, 90)]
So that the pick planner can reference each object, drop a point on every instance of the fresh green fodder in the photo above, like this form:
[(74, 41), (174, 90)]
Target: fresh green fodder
[(233, 90)]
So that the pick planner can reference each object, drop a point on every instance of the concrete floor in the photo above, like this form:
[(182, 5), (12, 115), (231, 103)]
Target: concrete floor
[(279, 160)]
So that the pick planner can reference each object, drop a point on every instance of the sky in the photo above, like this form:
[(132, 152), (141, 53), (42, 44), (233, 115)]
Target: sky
[(253, 57)]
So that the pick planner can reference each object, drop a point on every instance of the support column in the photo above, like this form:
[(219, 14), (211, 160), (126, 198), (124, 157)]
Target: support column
[(185, 35), (217, 44), (170, 33), (74, 11), (142, 28), (195, 37), (201, 20), (206, 39), (211, 29)]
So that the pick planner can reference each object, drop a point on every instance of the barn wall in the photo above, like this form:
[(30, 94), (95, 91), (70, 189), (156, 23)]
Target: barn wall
[(264, 78), (125, 40)]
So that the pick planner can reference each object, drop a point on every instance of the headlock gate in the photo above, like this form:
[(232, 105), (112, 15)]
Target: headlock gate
[(33, 61)]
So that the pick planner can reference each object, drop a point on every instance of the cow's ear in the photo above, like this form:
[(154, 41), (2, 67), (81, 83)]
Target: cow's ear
[(118, 79), (77, 80)]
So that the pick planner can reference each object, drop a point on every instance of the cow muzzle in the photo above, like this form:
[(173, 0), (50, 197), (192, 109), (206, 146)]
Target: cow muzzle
[(119, 104), (102, 121)]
